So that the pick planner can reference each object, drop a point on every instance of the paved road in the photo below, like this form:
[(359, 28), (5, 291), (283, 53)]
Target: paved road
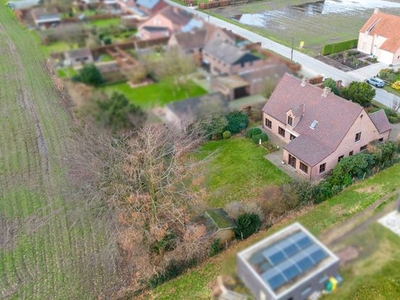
[(310, 64)]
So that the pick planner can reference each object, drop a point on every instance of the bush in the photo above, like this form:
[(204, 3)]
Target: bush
[(226, 135), (262, 136), (339, 47), (89, 74), (174, 269), (216, 247), (253, 131), (393, 119), (396, 85), (107, 41), (167, 243), (237, 121), (247, 224)]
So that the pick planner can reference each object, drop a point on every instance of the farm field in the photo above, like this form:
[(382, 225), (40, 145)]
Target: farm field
[(315, 23), (155, 94), (318, 219), (49, 243)]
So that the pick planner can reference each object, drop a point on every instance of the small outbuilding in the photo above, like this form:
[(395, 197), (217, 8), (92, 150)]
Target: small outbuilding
[(44, 18), (78, 57), (289, 265)]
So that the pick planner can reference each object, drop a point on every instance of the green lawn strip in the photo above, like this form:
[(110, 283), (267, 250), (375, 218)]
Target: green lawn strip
[(67, 72), (389, 89), (157, 94), (317, 219), (106, 22), (237, 170)]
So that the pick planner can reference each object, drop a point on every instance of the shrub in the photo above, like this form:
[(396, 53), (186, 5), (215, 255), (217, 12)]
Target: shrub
[(393, 119), (262, 136), (216, 247), (396, 85), (237, 121), (174, 269), (89, 74), (107, 41), (253, 131), (226, 135), (247, 224), (167, 243)]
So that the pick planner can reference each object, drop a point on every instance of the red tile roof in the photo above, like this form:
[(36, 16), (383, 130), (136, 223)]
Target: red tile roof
[(385, 25), (334, 115), (380, 121)]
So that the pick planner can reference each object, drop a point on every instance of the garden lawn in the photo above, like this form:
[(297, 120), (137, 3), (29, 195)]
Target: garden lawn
[(157, 94), (106, 22), (198, 282), (237, 171)]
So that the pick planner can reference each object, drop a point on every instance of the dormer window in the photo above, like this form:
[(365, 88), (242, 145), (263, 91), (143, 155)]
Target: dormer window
[(290, 120), (313, 124)]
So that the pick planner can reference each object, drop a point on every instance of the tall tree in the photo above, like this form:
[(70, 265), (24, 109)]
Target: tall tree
[(89, 74), (360, 92)]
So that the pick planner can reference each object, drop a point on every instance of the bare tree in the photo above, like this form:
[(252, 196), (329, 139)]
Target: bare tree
[(395, 105), (155, 190)]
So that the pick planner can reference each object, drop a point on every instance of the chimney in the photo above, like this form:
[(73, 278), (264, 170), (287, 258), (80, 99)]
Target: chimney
[(376, 11), (325, 92), (304, 81)]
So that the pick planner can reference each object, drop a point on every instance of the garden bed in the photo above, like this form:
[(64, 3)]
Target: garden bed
[(347, 60)]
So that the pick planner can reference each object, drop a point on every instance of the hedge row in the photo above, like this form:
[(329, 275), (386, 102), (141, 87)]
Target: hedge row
[(339, 47)]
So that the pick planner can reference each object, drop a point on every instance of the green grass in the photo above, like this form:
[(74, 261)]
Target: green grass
[(106, 23), (198, 282), (374, 273), (237, 171), (391, 90), (66, 72), (157, 94), (48, 240)]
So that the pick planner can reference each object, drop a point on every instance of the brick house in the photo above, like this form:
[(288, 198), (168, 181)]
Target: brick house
[(318, 127), (169, 20), (224, 58), (380, 36)]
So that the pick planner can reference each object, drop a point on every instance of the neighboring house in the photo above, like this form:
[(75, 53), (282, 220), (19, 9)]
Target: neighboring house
[(380, 36), (171, 19), (224, 58), (187, 111), (44, 18), (143, 8), (78, 57), (290, 264), (318, 127)]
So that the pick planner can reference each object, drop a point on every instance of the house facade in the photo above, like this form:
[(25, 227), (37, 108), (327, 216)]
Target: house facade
[(318, 127), (380, 36)]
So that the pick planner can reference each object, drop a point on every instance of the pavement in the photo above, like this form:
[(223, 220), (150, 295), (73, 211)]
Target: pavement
[(309, 64)]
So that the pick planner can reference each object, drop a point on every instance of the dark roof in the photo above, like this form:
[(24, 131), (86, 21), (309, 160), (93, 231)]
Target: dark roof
[(155, 28), (177, 16), (229, 53), (192, 39), (198, 106), (41, 13), (334, 115), (384, 25), (380, 121), (78, 53), (149, 4)]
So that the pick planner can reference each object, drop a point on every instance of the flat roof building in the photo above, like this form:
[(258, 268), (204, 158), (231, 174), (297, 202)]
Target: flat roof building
[(289, 265)]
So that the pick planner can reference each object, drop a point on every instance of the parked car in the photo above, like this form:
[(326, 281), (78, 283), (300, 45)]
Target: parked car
[(376, 82)]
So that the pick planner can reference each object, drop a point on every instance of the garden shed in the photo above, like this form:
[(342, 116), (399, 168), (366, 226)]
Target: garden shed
[(220, 225)]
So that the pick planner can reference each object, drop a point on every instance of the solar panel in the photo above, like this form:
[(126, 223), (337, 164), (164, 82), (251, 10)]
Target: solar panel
[(318, 255), (291, 272), (276, 281), (304, 242), (305, 264), (291, 250), (277, 258)]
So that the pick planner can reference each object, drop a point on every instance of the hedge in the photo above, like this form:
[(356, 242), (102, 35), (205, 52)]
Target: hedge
[(339, 47)]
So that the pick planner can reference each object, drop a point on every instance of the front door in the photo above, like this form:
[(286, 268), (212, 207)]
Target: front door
[(292, 161)]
